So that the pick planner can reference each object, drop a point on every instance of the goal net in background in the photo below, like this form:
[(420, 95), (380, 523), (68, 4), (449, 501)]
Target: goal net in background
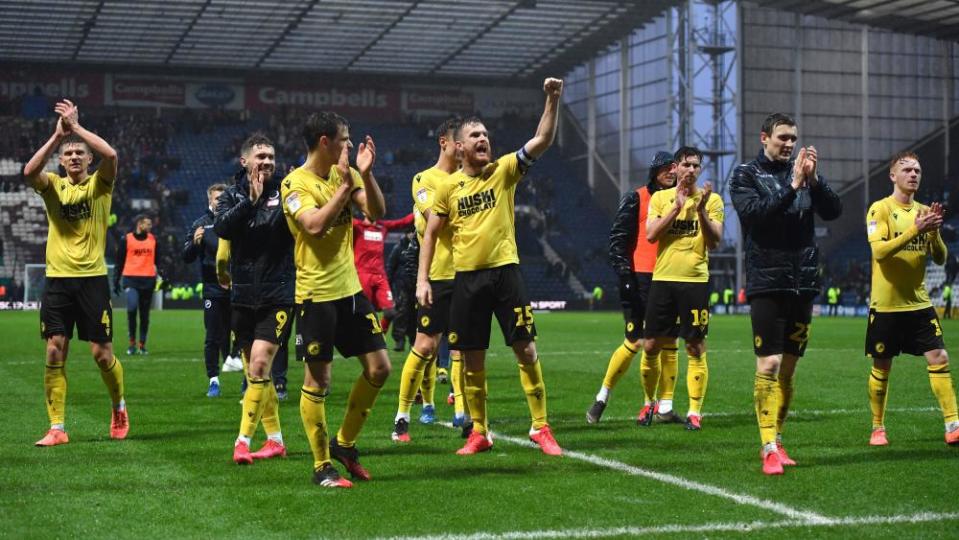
[(33, 281)]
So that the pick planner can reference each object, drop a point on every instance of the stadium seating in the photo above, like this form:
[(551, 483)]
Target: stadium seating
[(198, 150)]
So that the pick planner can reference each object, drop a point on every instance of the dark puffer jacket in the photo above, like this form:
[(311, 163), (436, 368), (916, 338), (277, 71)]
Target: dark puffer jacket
[(261, 247), (778, 226)]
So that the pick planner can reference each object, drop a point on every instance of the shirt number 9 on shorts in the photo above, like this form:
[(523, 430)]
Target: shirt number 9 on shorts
[(375, 323)]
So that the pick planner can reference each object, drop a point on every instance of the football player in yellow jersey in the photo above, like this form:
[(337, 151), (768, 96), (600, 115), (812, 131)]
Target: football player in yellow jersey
[(431, 321), (687, 221), (903, 234), (477, 203), (76, 292), (331, 308)]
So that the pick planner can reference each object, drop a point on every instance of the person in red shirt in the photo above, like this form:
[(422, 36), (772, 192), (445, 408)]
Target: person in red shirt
[(369, 238)]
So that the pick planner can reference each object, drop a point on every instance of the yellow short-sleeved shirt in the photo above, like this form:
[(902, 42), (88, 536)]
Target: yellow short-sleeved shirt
[(423, 188), (899, 282), (481, 214), (681, 254), (78, 215), (324, 264)]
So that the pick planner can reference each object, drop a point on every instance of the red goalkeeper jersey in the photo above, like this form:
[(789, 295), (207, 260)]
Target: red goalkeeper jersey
[(368, 242)]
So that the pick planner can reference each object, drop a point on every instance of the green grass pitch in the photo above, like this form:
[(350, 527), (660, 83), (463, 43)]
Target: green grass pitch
[(174, 476)]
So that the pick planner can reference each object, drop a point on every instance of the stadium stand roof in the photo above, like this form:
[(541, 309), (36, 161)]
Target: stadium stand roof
[(931, 18), (496, 39)]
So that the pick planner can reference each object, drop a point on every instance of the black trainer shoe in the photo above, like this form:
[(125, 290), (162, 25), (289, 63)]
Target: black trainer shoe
[(595, 412), (668, 418), (467, 429), (350, 458), (327, 476), (401, 431)]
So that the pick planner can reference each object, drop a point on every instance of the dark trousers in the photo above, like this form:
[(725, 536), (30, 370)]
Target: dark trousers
[(404, 324), (138, 300), (216, 320)]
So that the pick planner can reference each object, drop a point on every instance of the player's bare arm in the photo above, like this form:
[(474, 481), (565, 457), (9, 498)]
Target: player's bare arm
[(316, 221), (656, 226), (424, 293), (712, 230), (69, 115), (33, 170), (546, 130), (369, 199)]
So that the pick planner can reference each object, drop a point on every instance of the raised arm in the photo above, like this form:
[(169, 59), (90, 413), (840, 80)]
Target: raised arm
[(192, 243), (69, 116), (546, 130), (370, 199), (33, 170), (825, 201), (402, 223), (656, 224), (314, 219), (938, 249), (753, 204), (884, 247), (230, 216), (712, 229)]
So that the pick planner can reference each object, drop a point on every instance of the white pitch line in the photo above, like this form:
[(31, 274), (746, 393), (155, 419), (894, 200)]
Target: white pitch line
[(678, 481), (792, 414), (742, 527)]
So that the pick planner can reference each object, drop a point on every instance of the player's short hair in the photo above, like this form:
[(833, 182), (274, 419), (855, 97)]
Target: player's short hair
[(319, 124), (139, 218), (685, 151), (905, 154), (451, 124), (73, 138), (776, 119), (255, 139), (215, 187), (469, 120)]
